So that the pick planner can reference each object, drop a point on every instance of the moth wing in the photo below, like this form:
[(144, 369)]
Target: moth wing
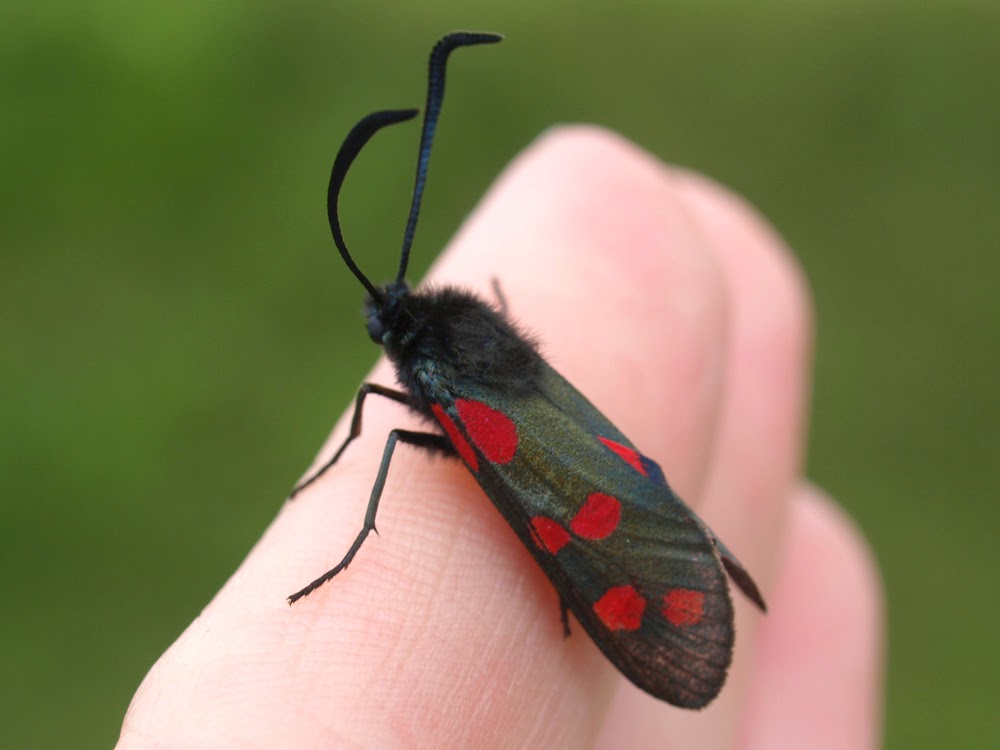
[(639, 570)]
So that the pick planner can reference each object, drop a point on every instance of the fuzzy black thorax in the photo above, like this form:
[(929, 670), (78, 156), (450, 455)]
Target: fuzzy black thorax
[(450, 335)]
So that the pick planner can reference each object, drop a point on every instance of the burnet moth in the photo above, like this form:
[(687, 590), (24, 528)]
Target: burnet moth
[(644, 576)]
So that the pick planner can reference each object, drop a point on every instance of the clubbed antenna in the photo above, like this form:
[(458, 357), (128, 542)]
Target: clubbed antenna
[(435, 95), (360, 135)]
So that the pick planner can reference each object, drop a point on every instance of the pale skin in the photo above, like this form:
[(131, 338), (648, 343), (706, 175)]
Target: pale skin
[(682, 316)]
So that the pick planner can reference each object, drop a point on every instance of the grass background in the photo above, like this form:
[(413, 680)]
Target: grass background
[(177, 333)]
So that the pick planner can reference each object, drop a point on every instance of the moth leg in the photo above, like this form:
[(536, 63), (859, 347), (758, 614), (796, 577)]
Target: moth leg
[(363, 391), (501, 299), (420, 439), (564, 616)]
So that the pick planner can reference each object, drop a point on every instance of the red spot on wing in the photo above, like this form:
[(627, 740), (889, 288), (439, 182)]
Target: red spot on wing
[(492, 431), (549, 534), (457, 438), (628, 455), (598, 517), (621, 608), (683, 606)]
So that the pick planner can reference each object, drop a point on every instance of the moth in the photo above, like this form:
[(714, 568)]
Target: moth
[(643, 575)]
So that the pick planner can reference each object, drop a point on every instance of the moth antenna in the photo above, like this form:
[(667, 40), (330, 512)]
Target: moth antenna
[(435, 95), (360, 135)]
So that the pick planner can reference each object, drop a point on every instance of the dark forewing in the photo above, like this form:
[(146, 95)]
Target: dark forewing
[(637, 568)]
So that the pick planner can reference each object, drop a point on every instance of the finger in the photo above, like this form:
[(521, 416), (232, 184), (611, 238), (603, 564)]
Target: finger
[(817, 679), (761, 438), (758, 443), (443, 628)]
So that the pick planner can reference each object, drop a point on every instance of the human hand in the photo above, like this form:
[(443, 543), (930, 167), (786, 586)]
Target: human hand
[(674, 309)]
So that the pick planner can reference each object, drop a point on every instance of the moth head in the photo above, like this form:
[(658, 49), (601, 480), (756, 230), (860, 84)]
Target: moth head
[(382, 314)]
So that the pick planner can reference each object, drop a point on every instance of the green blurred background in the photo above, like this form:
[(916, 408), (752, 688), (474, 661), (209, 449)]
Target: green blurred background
[(178, 335)]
